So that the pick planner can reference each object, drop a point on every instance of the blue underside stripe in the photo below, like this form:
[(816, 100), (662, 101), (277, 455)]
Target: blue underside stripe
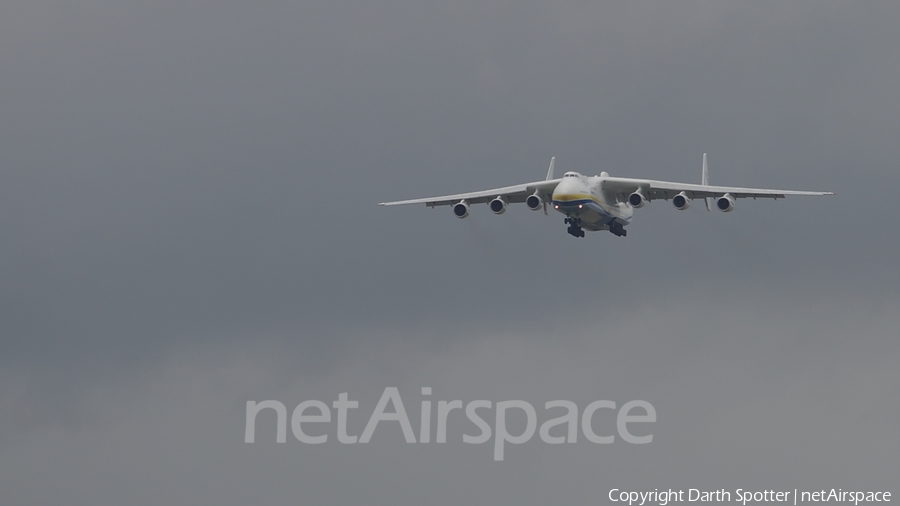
[(588, 203), (565, 205)]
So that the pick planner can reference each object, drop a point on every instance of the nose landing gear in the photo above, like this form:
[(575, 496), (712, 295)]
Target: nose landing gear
[(574, 226)]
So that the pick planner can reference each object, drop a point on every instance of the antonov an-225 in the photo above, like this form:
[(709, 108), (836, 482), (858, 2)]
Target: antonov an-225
[(600, 202)]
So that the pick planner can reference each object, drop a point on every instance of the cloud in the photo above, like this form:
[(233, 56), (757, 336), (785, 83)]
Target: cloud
[(784, 402)]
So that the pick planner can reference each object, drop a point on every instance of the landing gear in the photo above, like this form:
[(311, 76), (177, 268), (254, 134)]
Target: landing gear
[(616, 228), (576, 231), (574, 226)]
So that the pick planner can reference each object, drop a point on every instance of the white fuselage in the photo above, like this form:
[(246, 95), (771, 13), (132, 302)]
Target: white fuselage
[(582, 197)]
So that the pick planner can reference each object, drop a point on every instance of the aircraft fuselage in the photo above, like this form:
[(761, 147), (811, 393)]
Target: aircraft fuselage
[(582, 199)]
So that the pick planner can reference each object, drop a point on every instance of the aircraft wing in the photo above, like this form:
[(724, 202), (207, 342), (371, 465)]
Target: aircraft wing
[(512, 194), (651, 189)]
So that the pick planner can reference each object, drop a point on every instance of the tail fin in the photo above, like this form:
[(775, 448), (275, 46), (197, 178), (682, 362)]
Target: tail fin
[(704, 180), (550, 171)]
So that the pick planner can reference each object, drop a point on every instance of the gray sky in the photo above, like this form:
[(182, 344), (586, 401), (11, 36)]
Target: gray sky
[(188, 222)]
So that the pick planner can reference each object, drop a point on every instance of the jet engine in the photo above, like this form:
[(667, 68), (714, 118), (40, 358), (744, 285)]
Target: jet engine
[(534, 202), (637, 200), (461, 209), (498, 205), (725, 203), (681, 201)]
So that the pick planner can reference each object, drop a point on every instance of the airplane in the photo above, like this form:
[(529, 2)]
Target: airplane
[(600, 202)]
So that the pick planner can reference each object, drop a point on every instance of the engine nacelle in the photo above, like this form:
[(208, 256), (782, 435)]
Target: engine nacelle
[(498, 205), (725, 203), (681, 201), (534, 202), (461, 209), (637, 200)]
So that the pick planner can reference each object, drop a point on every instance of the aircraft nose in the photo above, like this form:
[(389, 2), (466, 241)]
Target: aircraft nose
[(566, 186)]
